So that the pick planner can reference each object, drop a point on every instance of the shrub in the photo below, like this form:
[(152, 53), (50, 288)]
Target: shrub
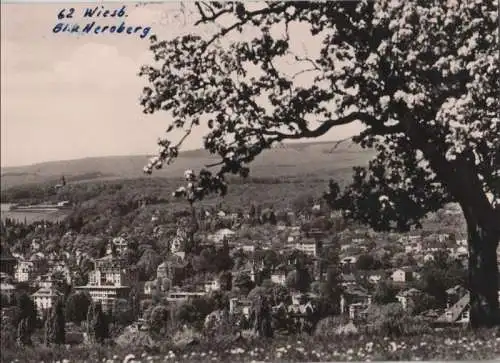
[(392, 320)]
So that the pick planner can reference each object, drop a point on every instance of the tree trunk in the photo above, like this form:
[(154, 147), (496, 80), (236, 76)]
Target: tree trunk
[(483, 274), (461, 179)]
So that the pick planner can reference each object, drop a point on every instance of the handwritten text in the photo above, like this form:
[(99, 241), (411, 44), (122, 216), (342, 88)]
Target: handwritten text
[(66, 17)]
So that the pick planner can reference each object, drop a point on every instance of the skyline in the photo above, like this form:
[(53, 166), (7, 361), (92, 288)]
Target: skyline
[(68, 97)]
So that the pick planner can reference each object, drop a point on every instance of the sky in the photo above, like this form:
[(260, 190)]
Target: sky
[(66, 97)]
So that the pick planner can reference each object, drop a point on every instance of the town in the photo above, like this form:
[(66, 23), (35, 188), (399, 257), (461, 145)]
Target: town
[(317, 271)]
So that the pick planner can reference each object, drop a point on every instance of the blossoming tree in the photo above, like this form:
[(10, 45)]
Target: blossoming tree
[(421, 76)]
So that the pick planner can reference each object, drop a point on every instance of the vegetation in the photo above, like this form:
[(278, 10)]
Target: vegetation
[(438, 345), (55, 325)]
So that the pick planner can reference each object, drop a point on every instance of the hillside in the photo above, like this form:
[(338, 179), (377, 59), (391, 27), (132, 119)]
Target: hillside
[(297, 159)]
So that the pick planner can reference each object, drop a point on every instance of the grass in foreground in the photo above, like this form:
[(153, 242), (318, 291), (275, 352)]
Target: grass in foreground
[(442, 345)]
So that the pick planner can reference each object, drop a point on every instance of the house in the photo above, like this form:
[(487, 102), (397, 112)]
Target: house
[(239, 306), (212, 285), (110, 271), (149, 287), (294, 235), (45, 281), (461, 252), (414, 247), (105, 294), (356, 296), (110, 280), (253, 269), (177, 296), (162, 270), (428, 257), (406, 296), (35, 244), (374, 278), (454, 294), (119, 244), (401, 275), (443, 237), (309, 248), (345, 247), (176, 243), (24, 270), (355, 310), (7, 261), (180, 254), (299, 312), (348, 279), (278, 278), (8, 290), (458, 313), (45, 298), (61, 267), (221, 235), (248, 248)]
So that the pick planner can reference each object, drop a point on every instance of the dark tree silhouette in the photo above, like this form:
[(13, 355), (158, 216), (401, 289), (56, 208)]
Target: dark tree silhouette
[(262, 323), (422, 79), (76, 307), (97, 324), (55, 325), (24, 332)]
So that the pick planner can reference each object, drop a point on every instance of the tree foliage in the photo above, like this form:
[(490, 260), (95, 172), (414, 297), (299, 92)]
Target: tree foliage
[(26, 309), (76, 307), (97, 324), (55, 325), (24, 332)]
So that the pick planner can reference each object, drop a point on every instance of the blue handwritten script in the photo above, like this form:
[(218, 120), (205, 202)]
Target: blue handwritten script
[(91, 25)]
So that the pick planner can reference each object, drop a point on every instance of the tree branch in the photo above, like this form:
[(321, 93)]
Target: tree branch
[(205, 18), (306, 133), (272, 8), (327, 125)]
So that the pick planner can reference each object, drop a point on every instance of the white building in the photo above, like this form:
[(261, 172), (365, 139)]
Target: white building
[(309, 248), (248, 248), (401, 275), (374, 278), (109, 281), (24, 270), (120, 244), (428, 257), (8, 290), (212, 285), (221, 235), (45, 298), (149, 287), (45, 281), (183, 295), (278, 278), (406, 296)]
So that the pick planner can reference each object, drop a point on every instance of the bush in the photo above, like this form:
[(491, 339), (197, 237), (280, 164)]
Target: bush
[(392, 320), (328, 326)]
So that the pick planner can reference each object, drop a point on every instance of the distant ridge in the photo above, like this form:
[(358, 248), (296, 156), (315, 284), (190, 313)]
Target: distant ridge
[(285, 160)]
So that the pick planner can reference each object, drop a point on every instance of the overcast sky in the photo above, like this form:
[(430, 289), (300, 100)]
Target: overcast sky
[(65, 96)]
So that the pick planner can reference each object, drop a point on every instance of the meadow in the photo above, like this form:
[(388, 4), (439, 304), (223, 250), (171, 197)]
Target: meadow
[(450, 344)]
